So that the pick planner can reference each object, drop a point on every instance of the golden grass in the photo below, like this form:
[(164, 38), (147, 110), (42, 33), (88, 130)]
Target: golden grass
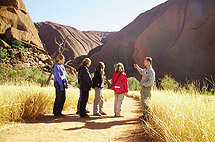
[(180, 116), (18, 103)]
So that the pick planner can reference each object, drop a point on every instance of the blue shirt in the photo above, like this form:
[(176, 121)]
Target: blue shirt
[(60, 75)]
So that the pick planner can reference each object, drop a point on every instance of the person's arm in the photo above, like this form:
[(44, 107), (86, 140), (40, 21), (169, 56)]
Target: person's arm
[(112, 81), (140, 70), (96, 79), (151, 80), (85, 76), (125, 83), (65, 79), (58, 75)]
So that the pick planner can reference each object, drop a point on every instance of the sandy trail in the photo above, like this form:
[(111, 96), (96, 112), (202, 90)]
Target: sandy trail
[(71, 128)]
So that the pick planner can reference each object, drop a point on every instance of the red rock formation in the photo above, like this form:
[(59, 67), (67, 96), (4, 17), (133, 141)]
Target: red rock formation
[(178, 35), (16, 24), (78, 43)]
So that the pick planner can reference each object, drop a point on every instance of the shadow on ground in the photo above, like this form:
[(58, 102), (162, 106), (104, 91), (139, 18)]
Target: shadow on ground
[(89, 122)]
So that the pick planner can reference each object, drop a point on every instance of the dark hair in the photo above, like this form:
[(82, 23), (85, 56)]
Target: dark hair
[(149, 59)]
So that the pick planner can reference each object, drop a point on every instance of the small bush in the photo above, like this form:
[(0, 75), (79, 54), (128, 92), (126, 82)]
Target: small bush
[(17, 44), (169, 83), (9, 47), (39, 51), (73, 80), (23, 75), (2, 56), (133, 84), (47, 66)]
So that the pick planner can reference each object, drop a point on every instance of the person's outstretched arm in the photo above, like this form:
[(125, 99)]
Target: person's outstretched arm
[(140, 70)]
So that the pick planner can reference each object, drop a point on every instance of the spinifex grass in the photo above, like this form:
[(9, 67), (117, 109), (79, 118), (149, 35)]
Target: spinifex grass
[(178, 116), (18, 103)]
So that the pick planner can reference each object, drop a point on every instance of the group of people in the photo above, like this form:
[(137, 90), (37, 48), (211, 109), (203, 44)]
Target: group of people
[(119, 84)]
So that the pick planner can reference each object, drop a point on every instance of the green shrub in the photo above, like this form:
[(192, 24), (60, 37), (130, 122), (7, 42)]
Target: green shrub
[(39, 51), (73, 80), (212, 91), (16, 44), (23, 75), (2, 55), (4, 50), (47, 66), (133, 84), (169, 83), (8, 47)]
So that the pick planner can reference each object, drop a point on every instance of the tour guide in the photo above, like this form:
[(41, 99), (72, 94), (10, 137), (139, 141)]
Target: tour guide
[(147, 81)]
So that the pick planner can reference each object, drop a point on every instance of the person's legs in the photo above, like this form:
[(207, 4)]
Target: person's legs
[(115, 103), (79, 101), (101, 103), (84, 99), (96, 101), (145, 98), (119, 104), (56, 109), (62, 101)]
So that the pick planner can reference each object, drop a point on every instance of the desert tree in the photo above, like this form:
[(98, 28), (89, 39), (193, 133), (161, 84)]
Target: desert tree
[(61, 48)]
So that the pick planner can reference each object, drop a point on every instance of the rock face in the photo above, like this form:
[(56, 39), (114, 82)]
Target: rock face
[(16, 24), (178, 35), (78, 43), (20, 45)]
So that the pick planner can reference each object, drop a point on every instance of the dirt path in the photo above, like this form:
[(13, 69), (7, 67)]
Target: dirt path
[(71, 128)]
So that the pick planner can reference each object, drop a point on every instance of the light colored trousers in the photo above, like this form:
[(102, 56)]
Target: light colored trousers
[(118, 103), (98, 101), (145, 100)]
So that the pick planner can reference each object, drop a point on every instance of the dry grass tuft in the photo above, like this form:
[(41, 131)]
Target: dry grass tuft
[(18, 103), (179, 116)]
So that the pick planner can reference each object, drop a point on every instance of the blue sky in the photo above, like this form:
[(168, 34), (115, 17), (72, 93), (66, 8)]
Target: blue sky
[(84, 15)]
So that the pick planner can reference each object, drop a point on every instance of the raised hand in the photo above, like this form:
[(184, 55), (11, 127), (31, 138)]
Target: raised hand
[(135, 66)]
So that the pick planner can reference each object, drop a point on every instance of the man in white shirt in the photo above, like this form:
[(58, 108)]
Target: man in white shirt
[(147, 81)]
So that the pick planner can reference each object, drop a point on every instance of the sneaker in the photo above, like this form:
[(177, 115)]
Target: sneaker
[(97, 114), (103, 113)]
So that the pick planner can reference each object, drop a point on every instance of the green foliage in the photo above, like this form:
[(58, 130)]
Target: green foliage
[(133, 84), (17, 44), (192, 88), (2, 55), (39, 51), (47, 66), (212, 91), (23, 75), (204, 89), (73, 80), (9, 47), (169, 83), (4, 50)]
